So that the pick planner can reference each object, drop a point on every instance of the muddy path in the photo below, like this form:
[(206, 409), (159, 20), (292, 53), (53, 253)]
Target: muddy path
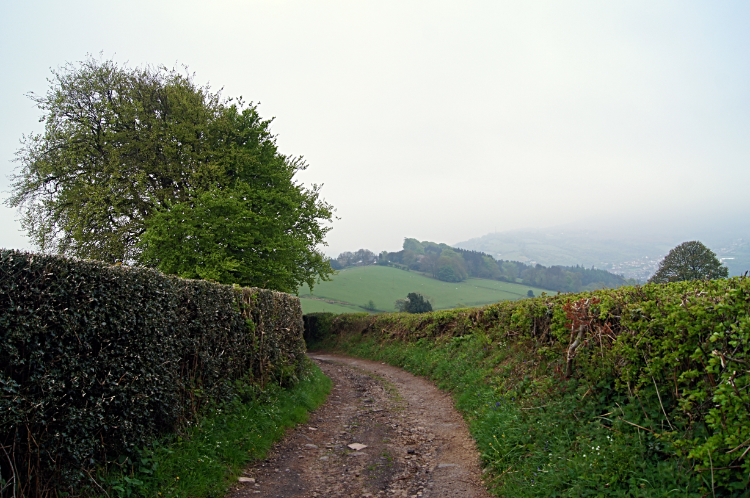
[(415, 442)]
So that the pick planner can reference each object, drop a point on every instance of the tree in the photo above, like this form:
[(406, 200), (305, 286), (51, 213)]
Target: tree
[(428, 264), (233, 236), (451, 267), (364, 256), (689, 261), (530, 293), (416, 303), (117, 144), (345, 259), (144, 166)]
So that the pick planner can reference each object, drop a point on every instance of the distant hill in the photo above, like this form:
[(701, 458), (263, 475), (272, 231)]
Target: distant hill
[(633, 252), (353, 288), (451, 264), (455, 265)]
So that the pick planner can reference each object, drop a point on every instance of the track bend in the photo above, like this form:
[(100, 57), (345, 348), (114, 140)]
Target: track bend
[(416, 443)]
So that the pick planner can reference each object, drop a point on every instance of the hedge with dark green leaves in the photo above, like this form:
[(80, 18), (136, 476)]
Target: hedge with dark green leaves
[(96, 361)]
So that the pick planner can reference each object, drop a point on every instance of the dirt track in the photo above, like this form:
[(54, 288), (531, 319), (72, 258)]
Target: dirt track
[(416, 443)]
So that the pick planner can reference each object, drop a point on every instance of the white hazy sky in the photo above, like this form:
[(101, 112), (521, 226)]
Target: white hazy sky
[(441, 120)]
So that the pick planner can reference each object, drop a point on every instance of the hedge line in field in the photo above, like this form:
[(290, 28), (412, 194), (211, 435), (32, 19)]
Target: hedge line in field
[(677, 353), (97, 360)]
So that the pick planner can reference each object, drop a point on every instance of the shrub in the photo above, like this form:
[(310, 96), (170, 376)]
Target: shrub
[(665, 365), (96, 361)]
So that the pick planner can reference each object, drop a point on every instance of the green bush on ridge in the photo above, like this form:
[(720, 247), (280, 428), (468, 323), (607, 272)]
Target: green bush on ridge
[(97, 361), (637, 391)]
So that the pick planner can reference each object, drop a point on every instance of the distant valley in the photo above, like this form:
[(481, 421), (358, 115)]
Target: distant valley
[(448, 277), (630, 252)]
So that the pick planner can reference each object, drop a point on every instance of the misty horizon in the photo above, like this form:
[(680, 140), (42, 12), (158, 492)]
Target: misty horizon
[(447, 122)]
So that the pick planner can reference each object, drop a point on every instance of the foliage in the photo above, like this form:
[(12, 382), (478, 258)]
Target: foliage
[(222, 442), (358, 258), (116, 145), (143, 165), (245, 236), (530, 293), (416, 303), (317, 326), (689, 261), (642, 391), (96, 361), (450, 267), (452, 264)]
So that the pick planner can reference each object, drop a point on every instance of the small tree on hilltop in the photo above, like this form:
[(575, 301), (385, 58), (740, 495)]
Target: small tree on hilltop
[(689, 261)]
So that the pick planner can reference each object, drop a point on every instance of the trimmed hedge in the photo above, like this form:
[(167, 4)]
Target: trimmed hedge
[(96, 361), (674, 356)]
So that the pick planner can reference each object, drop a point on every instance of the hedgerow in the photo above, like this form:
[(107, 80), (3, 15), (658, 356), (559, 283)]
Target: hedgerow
[(97, 361), (659, 375)]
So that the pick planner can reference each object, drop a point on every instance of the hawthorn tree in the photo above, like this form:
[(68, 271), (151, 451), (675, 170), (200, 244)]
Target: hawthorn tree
[(689, 261), (145, 166)]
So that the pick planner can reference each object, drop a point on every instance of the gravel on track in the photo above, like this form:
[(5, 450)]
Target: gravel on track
[(416, 443)]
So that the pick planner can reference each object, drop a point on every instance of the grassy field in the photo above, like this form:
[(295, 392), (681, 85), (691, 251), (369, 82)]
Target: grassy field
[(316, 306), (383, 285)]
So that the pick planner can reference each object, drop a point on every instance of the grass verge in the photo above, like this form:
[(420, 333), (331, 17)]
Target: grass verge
[(207, 457)]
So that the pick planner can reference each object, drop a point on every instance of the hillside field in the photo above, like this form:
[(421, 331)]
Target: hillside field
[(317, 306), (383, 285)]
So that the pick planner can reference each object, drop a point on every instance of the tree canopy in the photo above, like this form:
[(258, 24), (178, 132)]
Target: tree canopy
[(143, 165), (453, 264), (415, 302), (689, 261)]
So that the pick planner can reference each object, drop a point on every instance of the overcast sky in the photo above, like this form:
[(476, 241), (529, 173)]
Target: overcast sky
[(441, 120)]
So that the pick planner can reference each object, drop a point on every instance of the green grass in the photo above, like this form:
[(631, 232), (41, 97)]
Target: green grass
[(316, 306), (539, 435), (206, 458), (383, 285)]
